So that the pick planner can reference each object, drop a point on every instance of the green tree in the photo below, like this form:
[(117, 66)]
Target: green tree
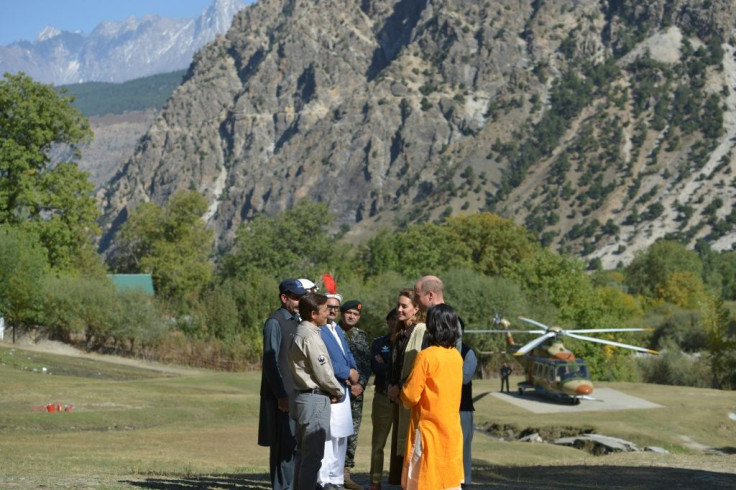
[(420, 249), (649, 271), (22, 272), (55, 201), (726, 263), (483, 242), (80, 307), (684, 289), (721, 343), (379, 254), (93, 309), (490, 244), (137, 323), (255, 298), (293, 243), (172, 243), (561, 281)]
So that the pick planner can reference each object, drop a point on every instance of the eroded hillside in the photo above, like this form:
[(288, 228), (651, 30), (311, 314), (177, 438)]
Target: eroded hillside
[(600, 125)]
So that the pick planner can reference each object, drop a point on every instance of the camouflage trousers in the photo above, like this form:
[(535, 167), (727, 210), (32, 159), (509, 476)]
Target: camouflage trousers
[(356, 407)]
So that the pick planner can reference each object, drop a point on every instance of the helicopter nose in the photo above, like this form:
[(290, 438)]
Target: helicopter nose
[(583, 389)]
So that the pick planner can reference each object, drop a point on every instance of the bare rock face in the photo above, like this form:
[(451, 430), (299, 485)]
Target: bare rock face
[(394, 111)]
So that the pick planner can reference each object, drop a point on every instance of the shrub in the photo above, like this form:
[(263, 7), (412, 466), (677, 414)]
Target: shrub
[(92, 311), (23, 267), (677, 327), (80, 310), (673, 367)]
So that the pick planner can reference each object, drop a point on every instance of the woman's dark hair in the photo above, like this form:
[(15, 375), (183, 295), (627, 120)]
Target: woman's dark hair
[(443, 326), (310, 303), (392, 323)]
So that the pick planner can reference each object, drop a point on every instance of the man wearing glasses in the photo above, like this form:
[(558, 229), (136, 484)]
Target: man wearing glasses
[(276, 429), (331, 473)]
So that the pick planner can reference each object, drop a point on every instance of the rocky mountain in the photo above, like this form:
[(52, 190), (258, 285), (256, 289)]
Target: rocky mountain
[(601, 125), (118, 51)]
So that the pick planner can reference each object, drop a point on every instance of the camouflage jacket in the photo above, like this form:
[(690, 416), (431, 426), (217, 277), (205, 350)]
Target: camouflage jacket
[(360, 346)]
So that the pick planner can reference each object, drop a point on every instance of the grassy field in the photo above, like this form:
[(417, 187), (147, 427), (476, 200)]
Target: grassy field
[(140, 426)]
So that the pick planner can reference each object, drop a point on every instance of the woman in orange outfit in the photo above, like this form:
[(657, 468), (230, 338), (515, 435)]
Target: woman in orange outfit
[(434, 451)]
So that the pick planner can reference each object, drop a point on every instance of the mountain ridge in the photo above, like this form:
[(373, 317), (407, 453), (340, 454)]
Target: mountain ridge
[(394, 112), (118, 51)]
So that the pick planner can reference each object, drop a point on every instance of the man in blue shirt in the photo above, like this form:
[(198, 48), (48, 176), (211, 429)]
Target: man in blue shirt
[(382, 414)]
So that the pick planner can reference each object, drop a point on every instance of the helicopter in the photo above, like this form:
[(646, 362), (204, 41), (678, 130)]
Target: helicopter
[(550, 368)]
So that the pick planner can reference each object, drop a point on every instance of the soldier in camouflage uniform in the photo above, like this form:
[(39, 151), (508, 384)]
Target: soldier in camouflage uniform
[(360, 346)]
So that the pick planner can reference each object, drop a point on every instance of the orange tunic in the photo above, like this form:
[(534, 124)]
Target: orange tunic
[(432, 391)]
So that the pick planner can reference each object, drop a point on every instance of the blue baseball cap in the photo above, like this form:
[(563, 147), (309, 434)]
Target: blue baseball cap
[(292, 286)]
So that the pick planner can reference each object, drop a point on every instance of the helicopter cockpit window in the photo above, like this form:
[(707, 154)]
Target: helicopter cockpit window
[(572, 370)]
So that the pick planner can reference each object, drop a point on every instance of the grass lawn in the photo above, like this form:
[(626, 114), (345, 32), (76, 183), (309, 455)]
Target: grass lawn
[(141, 427)]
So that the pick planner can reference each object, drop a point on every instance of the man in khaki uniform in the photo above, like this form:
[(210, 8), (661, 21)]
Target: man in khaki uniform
[(316, 388)]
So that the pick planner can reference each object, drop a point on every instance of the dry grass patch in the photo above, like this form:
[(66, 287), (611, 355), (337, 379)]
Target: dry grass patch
[(144, 428)]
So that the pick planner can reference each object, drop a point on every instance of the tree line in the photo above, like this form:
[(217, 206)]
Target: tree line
[(210, 305)]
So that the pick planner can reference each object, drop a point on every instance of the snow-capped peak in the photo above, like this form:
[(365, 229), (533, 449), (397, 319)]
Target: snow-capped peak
[(47, 33)]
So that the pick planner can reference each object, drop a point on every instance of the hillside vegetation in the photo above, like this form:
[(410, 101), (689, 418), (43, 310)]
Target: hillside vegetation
[(601, 126), (141, 94)]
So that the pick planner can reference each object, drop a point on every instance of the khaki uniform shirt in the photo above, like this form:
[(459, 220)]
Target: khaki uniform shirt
[(310, 363), (413, 347)]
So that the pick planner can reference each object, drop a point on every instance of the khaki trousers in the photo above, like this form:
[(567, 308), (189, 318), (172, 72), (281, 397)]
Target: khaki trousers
[(382, 419)]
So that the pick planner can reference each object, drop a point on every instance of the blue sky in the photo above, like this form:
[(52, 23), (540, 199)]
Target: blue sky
[(23, 19)]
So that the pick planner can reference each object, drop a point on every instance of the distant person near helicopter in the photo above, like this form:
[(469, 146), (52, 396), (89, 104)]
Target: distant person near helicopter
[(505, 373)]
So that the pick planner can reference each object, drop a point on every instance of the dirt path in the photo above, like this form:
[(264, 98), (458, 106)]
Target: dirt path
[(60, 348)]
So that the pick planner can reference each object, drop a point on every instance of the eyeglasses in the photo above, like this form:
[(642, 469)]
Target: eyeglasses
[(330, 307)]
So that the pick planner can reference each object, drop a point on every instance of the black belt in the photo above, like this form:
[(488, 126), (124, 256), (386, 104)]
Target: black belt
[(315, 391)]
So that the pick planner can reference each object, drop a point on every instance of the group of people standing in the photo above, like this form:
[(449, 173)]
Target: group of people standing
[(315, 371)]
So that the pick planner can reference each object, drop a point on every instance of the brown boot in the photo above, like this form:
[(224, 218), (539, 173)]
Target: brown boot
[(349, 483)]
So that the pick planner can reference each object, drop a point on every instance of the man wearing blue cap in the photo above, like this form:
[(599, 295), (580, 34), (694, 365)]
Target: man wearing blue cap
[(275, 426)]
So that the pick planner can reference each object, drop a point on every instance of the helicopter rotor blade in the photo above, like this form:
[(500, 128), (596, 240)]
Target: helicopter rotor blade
[(534, 322), (534, 343), (596, 330), (505, 331), (611, 342)]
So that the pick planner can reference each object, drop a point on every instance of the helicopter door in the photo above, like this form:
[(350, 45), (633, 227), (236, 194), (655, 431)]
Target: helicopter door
[(547, 375), (537, 374)]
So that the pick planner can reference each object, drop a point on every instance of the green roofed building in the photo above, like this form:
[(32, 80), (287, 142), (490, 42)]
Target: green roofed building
[(133, 281)]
